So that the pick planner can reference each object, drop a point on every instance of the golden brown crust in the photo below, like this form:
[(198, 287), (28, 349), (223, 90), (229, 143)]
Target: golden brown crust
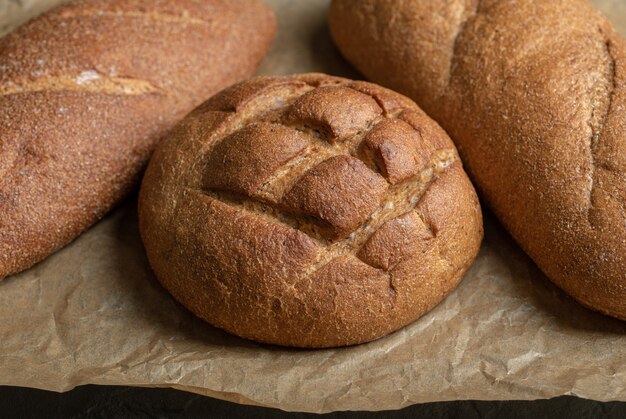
[(318, 247), (537, 109), (87, 89)]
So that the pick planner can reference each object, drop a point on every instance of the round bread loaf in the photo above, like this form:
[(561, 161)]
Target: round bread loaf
[(309, 211)]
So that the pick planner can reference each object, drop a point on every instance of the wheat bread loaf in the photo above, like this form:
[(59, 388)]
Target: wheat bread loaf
[(87, 89), (308, 211), (533, 93)]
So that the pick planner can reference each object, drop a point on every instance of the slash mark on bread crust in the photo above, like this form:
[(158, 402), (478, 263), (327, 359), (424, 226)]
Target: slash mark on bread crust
[(185, 18), (86, 81), (459, 32), (598, 122)]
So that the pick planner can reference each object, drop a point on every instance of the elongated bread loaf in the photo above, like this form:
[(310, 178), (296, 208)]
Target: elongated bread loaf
[(86, 91), (309, 211), (533, 94)]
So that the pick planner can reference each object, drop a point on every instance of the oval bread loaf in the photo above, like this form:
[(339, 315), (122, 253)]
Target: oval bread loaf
[(86, 91), (308, 211), (533, 93)]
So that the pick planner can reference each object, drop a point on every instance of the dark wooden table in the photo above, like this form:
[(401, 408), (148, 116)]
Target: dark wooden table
[(128, 402)]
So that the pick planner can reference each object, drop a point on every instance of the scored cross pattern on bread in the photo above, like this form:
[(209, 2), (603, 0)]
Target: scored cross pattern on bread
[(278, 188), (323, 165)]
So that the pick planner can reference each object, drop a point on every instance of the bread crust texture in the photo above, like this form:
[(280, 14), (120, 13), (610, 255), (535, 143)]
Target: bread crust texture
[(87, 90), (309, 211), (534, 95)]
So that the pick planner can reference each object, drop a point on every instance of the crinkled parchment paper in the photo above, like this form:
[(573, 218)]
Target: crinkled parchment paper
[(93, 312)]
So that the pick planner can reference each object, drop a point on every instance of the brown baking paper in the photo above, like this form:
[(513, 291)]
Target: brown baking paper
[(93, 312)]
